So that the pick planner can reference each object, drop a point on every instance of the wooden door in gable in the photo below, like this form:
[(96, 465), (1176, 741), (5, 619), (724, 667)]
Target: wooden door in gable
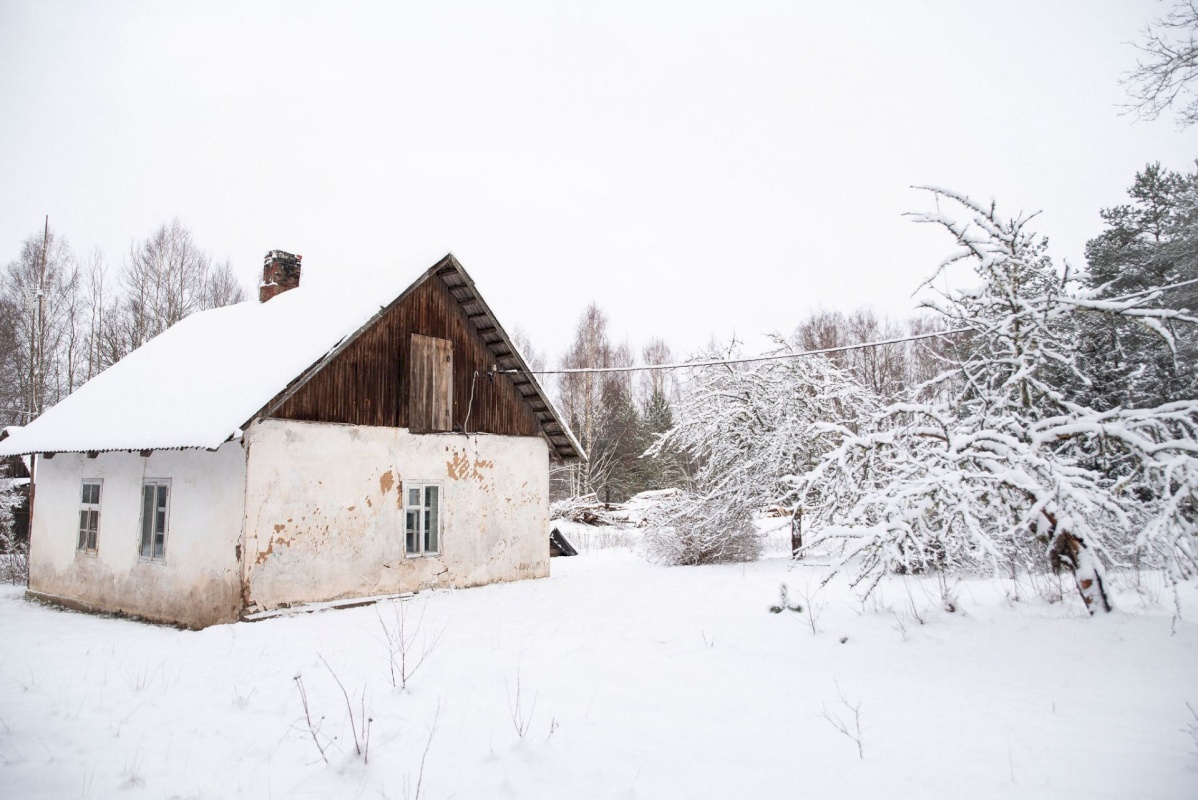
[(430, 385)]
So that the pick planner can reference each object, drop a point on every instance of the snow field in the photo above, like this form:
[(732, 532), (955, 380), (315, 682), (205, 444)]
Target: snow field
[(634, 681)]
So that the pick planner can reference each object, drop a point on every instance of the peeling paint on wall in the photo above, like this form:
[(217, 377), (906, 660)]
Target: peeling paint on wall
[(458, 466), (279, 540), (461, 467), (338, 551)]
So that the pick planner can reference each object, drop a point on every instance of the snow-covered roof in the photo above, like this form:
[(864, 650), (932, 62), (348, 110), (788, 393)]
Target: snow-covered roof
[(195, 384)]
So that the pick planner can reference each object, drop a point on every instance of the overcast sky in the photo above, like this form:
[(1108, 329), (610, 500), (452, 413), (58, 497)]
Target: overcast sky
[(696, 168)]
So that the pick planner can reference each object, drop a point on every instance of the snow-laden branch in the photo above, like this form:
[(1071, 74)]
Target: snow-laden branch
[(1001, 469)]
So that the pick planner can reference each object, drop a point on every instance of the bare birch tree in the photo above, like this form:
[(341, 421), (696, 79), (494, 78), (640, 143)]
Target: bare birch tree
[(95, 287), (581, 394), (1166, 73), (884, 370), (167, 276), (534, 358), (657, 383), (40, 288), (81, 321), (223, 288)]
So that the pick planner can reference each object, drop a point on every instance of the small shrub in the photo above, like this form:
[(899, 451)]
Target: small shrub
[(690, 529), (848, 721), (403, 656), (359, 725), (521, 715)]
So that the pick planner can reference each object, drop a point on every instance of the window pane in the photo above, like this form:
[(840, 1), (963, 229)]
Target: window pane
[(160, 521), (86, 493), (414, 496), (147, 519), (95, 487), (431, 525), (82, 530), (430, 533), (411, 540), (93, 524)]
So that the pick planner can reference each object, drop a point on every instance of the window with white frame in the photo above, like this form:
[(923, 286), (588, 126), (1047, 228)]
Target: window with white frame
[(89, 516), (422, 519), (155, 511)]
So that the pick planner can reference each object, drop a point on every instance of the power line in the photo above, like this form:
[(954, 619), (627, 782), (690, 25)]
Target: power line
[(751, 360), (824, 351)]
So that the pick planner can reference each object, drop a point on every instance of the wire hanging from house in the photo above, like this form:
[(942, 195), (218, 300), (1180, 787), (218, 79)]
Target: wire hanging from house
[(470, 405)]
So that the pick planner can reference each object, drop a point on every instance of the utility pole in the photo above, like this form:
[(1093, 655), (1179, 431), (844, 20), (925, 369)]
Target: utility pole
[(38, 310), (36, 344)]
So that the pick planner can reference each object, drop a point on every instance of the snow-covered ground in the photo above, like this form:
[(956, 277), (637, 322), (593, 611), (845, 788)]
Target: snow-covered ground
[(633, 681)]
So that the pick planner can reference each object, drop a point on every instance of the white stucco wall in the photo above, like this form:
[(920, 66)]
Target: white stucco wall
[(324, 510), (199, 581)]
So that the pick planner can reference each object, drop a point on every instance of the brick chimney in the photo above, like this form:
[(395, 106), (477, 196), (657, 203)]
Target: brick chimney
[(280, 272)]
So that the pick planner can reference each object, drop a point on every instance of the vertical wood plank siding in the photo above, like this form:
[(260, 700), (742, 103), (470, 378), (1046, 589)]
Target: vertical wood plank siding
[(430, 384), (367, 383)]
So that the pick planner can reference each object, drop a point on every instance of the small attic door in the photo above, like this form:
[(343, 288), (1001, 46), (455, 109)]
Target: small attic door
[(430, 385)]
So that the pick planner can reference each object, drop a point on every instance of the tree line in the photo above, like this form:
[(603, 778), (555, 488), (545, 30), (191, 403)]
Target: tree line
[(65, 319), (619, 416)]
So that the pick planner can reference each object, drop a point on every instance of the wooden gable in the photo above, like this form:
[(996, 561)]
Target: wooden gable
[(369, 381)]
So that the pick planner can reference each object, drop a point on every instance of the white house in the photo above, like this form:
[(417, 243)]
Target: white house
[(303, 448)]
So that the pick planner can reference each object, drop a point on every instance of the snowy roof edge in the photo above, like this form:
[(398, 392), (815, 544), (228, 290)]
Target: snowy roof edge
[(235, 429)]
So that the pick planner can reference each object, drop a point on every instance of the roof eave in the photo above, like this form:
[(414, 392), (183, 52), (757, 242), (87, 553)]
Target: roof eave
[(570, 449)]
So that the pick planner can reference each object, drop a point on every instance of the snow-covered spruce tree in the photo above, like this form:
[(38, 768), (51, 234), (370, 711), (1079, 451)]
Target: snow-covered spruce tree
[(993, 471), (1149, 242), (745, 429)]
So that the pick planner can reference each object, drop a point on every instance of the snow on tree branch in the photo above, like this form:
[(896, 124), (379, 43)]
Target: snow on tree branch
[(746, 429), (1001, 467), (1166, 74)]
